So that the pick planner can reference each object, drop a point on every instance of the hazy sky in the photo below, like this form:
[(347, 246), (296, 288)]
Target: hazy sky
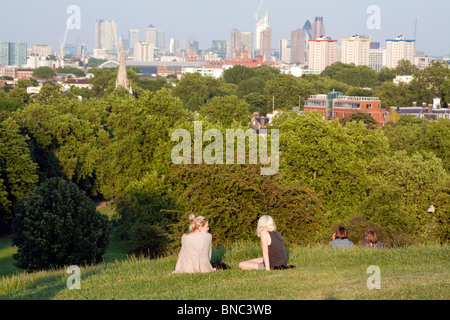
[(44, 21)]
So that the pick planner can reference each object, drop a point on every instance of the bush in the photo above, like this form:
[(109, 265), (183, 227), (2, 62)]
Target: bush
[(58, 225), (148, 240)]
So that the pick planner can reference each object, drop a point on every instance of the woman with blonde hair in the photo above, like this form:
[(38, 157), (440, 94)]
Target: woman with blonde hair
[(196, 248), (272, 243)]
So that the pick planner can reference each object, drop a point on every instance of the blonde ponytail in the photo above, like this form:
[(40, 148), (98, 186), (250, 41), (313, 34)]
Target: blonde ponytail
[(196, 222)]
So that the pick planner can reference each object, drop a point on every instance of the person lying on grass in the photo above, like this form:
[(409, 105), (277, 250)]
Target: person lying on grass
[(196, 248), (272, 243)]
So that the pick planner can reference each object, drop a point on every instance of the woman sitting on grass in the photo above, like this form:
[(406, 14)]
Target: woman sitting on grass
[(371, 240), (272, 243), (196, 248), (340, 239)]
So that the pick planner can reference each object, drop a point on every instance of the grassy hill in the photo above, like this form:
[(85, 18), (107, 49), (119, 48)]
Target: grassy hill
[(420, 272)]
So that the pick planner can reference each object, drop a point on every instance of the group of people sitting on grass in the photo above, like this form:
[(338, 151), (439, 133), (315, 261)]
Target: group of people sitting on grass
[(196, 247)]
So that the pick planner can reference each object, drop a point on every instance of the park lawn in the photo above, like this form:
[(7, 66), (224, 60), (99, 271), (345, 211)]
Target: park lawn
[(411, 273)]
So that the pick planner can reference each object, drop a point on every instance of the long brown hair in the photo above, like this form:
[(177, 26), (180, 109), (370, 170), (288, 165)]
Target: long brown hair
[(371, 236), (341, 233)]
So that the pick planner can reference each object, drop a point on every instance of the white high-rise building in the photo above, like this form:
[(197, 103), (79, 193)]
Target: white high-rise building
[(174, 45), (399, 49), (377, 59), (355, 50), (144, 51), (285, 50), (151, 35), (322, 53), (261, 25), (106, 35), (247, 42), (42, 50)]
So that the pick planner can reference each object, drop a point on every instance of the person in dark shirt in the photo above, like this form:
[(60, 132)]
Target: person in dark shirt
[(272, 243), (340, 239), (371, 240)]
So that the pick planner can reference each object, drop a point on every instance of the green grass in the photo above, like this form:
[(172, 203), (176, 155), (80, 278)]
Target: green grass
[(420, 272)]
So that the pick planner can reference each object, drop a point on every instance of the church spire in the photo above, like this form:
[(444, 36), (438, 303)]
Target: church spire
[(122, 79)]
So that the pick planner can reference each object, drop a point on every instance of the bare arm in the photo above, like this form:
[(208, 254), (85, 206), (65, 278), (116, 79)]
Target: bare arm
[(265, 248)]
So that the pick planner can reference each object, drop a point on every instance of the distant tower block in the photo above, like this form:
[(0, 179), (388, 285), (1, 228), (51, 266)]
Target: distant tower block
[(122, 78)]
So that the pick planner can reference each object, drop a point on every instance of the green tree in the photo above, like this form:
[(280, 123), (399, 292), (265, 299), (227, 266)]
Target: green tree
[(394, 95), (225, 110), (238, 195), (430, 83), (360, 76), (287, 91), (58, 225), (405, 67), (238, 73), (194, 90), (386, 74), (17, 170), (44, 73)]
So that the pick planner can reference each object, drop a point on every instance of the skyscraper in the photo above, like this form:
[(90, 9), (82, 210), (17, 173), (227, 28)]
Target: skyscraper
[(377, 59), (151, 35), (219, 47), (261, 25), (160, 39), (318, 28), (285, 50), (399, 49), (266, 44), (106, 35), (247, 42), (13, 53), (174, 45), (356, 50), (298, 46), (322, 53), (133, 36), (235, 43)]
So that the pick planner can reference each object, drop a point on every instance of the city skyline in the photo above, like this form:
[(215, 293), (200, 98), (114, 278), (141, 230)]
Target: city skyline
[(206, 21)]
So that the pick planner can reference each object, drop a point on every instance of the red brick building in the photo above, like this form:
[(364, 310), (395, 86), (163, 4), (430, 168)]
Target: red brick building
[(337, 106)]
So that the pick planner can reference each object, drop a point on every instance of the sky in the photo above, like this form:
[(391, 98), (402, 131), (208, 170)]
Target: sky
[(44, 21)]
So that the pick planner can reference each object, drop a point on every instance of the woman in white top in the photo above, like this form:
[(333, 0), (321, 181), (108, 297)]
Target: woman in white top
[(196, 248)]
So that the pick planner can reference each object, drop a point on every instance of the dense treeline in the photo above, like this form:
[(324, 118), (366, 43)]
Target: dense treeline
[(118, 146)]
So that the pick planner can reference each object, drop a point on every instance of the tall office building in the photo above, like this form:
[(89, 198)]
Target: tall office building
[(174, 45), (377, 59), (266, 44), (318, 28), (160, 39), (285, 50), (298, 46), (106, 35), (247, 42), (399, 49), (13, 53), (220, 47), (133, 36), (42, 50), (151, 35), (261, 25), (322, 53), (235, 43), (144, 51), (356, 50)]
